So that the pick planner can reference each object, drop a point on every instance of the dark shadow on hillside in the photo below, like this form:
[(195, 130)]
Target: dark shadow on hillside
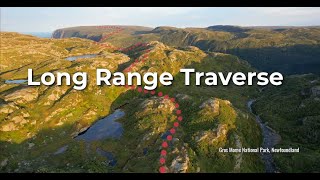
[(228, 28), (142, 32), (297, 59), (42, 148), (16, 69), (93, 37)]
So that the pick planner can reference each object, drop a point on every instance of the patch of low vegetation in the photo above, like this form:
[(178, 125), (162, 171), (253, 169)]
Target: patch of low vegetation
[(293, 111)]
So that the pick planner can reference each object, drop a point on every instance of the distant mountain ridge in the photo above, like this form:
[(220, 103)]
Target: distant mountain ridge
[(288, 49), (94, 32)]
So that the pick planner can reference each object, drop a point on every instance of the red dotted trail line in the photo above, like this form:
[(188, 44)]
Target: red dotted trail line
[(176, 124), (142, 59), (115, 30)]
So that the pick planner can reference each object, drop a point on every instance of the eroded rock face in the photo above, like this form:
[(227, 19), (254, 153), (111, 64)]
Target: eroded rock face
[(211, 104), (183, 97), (55, 94), (15, 122), (181, 162), (212, 135), (19, 120), (59, 33), (9, 127), (23, 95), (222, 131), (158, 45), (157, 103), (8, 108), (204, 135)]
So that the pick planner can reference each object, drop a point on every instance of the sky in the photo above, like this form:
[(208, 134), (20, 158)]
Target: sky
[(41, 19)]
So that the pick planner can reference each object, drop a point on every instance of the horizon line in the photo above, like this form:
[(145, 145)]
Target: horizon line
[(243, 26)]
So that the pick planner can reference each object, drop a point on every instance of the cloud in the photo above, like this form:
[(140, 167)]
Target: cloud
[(287, 11), (49, 19)]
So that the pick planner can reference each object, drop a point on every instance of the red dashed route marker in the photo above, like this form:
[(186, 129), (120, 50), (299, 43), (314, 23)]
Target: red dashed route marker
[(164, 145), (116, 30), (172, 131), (162, 160), (162, 169), (163, 152)]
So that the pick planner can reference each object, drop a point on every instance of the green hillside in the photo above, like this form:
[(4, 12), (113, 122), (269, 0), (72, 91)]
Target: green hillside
[(38, 124), (293, 111)]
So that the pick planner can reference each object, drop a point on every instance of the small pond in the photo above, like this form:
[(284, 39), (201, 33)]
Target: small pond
[(17, 81), (106, 127), (73, 58)]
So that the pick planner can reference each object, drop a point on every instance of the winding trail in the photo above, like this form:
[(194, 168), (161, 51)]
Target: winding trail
[(165, 143)]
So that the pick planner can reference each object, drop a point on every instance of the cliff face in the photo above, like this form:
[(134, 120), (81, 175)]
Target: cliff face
[(96, 33), (67, 33), (58, 34)]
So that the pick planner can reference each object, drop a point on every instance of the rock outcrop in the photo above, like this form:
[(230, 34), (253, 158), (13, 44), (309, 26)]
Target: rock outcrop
[(9, 127), (23, 95), (58, 34), (8, 108), (211, 104), (181, 162), (315, 91), (183, 97), (158, 103), (212, 135)]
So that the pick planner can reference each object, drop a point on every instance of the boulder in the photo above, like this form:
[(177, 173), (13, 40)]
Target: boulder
[(4, 162), (315, 91), (31, 145)]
